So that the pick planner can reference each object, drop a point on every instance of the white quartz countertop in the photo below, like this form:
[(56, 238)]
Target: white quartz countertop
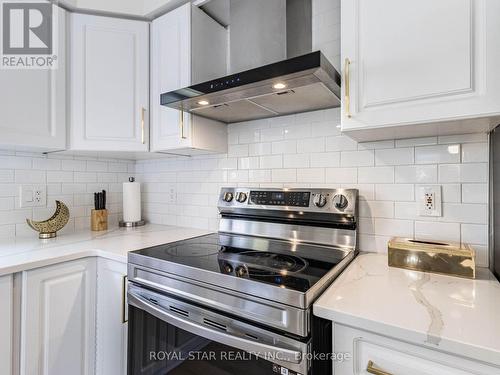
[(21, 254), (446, 313)]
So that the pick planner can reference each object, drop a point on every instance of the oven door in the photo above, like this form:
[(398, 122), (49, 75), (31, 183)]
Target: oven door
[(169, 336)]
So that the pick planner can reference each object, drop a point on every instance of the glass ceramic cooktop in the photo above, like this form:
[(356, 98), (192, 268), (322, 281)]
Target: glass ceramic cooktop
[(280, 263)]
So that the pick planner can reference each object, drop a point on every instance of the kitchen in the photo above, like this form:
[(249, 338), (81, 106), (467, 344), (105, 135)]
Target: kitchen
[(387, 132)]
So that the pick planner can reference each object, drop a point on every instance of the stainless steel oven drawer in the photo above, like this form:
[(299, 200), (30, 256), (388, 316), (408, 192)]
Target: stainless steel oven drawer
[(262, 311)]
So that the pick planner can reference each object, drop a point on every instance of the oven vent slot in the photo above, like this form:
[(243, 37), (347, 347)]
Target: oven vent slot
[(251, 336), (213, 324), (179, 311)]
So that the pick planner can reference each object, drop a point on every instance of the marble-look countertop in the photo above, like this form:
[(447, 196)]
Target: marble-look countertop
[(20, 254), (447, 313)]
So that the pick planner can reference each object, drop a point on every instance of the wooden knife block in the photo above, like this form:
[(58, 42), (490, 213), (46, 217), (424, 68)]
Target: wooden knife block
[(99, 220)]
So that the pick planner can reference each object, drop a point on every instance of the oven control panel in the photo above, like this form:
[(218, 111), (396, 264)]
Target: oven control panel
[(340, 201), (280, 198)]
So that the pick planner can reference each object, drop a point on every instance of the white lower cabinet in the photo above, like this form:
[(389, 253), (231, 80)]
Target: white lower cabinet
[(6, 324), (73, 319), (374, 354), (58, 319), (111, 339)]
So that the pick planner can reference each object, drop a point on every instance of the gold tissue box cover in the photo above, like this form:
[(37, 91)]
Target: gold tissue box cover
[(432, 256)]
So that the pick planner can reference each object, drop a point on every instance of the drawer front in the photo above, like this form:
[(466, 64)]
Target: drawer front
[(379, 355)]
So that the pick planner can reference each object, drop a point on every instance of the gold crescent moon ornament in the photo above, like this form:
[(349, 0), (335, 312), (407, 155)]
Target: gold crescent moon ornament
[(48, 228)]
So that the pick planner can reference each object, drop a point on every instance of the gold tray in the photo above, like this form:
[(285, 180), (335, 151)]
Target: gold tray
[(447, 258)]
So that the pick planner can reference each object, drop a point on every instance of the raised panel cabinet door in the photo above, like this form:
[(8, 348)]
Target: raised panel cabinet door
[(111, 321), (33, 101), (170, 70), (410, 62), (6, 324), (109, 84), (58, 319)]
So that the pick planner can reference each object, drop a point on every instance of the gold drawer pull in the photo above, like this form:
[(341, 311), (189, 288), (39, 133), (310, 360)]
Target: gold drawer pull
[(347, 89), (370, 368), (124, 299), (143, 140)]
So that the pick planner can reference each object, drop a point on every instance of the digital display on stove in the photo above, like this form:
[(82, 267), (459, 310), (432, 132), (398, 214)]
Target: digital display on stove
[(280, 198)]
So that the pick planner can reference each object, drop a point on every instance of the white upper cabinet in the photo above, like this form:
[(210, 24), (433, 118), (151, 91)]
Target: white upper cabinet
[(109, 108), (33, 102), (407, 63), (178, 39)]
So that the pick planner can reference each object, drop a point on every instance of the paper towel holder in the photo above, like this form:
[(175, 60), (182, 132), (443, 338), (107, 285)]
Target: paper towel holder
[(130, 224)]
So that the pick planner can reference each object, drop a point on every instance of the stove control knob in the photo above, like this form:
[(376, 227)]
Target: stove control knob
[(228, 196), (240, 271), (227, 268), (319, 200), (340, 201), (241, 197)]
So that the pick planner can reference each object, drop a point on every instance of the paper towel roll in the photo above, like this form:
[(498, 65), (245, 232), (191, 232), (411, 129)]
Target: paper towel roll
[(131, 201)]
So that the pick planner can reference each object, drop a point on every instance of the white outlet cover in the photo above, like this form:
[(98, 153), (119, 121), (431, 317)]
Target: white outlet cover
[(429, 200), (32, 196)]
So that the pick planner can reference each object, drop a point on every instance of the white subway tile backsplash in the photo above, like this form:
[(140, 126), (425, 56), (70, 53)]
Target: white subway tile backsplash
[(416, 174), (451, 193), (474, 193), (341, 175), (361, 158), (465, 213), (412, 142), (325, 159), (375, 145), (394, 192), (271, 162), (259, 149), (439, 154), (394, 227), (284, 147), (340, 143), (284, 175), (311, 145), (22, 176), (311, 175), (430, 230), (296, 161), (396, 156), (376, 175), (463, 138), (475, 153), (376, 209), (474, 234)]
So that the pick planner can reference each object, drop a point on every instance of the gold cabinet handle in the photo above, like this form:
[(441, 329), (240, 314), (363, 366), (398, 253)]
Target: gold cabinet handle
[(347, 88), (370, 368), (143, 110), (124, 299), (181, 123)]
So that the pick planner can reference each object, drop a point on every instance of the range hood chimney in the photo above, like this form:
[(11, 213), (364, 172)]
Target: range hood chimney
[(271, 69)]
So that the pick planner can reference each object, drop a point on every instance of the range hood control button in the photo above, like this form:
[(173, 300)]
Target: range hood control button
[(228, 196), (319, 200), (340, 201)]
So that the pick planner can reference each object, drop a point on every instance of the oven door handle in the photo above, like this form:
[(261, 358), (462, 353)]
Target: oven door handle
[(274, 352)]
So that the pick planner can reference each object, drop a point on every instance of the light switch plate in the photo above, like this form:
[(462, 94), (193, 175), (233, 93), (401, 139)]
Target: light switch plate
[(429, 200), (32, 196)]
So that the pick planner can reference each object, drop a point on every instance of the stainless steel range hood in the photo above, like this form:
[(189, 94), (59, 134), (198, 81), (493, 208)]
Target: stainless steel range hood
[(262, 31)]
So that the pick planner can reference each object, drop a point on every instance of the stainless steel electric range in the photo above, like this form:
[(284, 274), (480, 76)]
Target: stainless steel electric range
[(239, 301)]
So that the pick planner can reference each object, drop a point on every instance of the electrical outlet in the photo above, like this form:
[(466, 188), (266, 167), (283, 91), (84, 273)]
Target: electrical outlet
[(32, 196), (429, 200)]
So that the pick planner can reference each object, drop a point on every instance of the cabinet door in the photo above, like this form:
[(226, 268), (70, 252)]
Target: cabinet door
[(58, 319), (111, 320), (6, 324), (33, 102), (419, 62), (110, 84), (170, 70)]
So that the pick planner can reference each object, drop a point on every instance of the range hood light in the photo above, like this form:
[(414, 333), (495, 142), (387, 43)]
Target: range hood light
[(203, 102), (279, 86)]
